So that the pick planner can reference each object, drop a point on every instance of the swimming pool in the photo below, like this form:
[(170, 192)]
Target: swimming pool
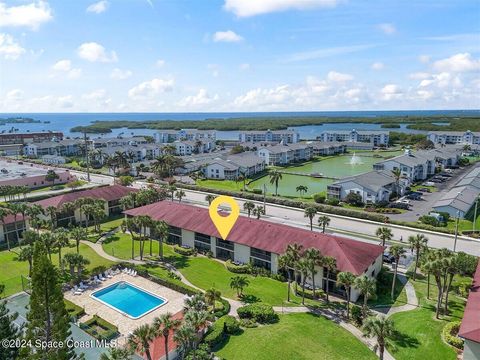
[(129, 299)]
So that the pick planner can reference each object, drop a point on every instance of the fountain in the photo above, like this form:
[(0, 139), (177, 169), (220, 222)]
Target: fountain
[(355, 160)]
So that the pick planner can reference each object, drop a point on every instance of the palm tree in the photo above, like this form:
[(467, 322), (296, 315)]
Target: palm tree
[(69, 208), (26, 254), (15, 210), (295, 251), (78, 233), (34, 211), (3, 214), (243, 177), (418, 243), (171, 190), (397, 175), (185, 337), (52, 213), (367, 288), (209, 198), (248, 206), (179, 195), (323, 221), (258, 211), (49, 241), (397, 252), (117, 353), (314, 257), (275, 177), (285, 262), (329, 264), (384, 234), (212, 295), (381, 329), (139, 340), (61, 240), (304, 266), (302, 189), (310, 213), (162, 230), (194, 303), (164, 325), (346, 279), (238, 283)]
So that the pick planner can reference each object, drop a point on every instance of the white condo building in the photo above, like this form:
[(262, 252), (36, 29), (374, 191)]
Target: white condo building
[(454, 137), (287, 136), (376, 138)]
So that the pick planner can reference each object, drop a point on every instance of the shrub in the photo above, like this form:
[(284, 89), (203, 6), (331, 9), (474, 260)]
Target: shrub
[(450, 334), (100, 328), (73, 310), (216, 335), (429, 220), (237, 269), (231, 325), (333, 202), (319, 198), (257, 191), (467, 263), (125, 180), (224, 310), (248, 323), (183, 251), (202, 353), (97, 270), (354, 199), (357, 315), (260, 313)]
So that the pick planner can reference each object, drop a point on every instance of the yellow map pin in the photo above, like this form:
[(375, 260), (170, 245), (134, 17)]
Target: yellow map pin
[(224, 223)]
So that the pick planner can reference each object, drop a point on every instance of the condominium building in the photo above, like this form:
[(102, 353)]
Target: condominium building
[(68, 147), (24, 138), (376, 138), (454, 137), (231, 167), (276, 136), (167, 136), (283, 154), (261, 242)]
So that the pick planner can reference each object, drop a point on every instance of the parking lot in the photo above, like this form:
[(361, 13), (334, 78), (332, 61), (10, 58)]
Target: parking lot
[(424, 206)]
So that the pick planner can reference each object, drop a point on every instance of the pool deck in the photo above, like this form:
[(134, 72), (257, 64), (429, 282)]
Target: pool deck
[(125, 324)]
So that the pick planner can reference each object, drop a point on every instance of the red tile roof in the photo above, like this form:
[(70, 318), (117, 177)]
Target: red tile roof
[(107, 193), (157, 346), (10, 219), (351, 255), (470, 328)]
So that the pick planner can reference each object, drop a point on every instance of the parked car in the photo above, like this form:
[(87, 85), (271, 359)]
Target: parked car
[(424, 190), (428, 183), (414, 196), (399, 205), (387, 258)]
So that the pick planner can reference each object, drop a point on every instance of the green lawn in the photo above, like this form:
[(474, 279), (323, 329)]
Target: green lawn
[(420, 333), (221, 184), (295, 336), (205, 273), (110, 224), (384, 288), (11, 269)]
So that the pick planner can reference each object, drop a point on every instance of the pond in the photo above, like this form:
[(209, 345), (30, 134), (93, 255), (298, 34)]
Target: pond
[(287, 186)]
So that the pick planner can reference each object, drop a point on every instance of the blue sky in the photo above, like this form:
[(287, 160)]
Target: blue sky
[(238, 55)]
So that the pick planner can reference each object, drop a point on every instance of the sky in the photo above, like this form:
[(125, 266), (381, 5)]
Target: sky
[(238, 55)]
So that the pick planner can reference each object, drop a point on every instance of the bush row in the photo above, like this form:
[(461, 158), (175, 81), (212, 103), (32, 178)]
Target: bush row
[(108, 332), (450, 334), (225, 310), (221, 329), (238, 269), (183, 251), (73, 310), (260, 313)]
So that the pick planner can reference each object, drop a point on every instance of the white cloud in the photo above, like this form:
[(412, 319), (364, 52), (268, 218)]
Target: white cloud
[(9, 48), (65, 66), (148, 89), (14, 95), (226, 36), (387, 28), (245, 8), (160, 63), (95, 52), (325, 52), (119, 74), (244, 66), (419, 75), (97, 97), (424, 59), (391, 92), (377, 66), (64, 101), (338, 77), (29, 15), (458, 63), (441, 80), (98, 7), (201, 98)]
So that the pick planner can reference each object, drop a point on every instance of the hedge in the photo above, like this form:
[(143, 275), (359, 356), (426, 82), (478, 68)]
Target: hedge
[(238, 269), (108, 332), (183, 251), (450, 334), (261, 313), (225, 310), (74, 310)]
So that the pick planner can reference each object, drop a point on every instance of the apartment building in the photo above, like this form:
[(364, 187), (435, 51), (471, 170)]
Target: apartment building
[(276, 136), (167, 136), (454, 137), (375, 138), (283, 154)]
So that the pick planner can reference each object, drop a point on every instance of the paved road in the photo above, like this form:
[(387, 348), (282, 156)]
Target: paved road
[(362, 230)]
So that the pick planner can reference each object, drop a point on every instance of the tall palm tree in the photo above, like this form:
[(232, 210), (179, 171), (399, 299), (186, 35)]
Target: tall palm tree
[(248, 206), (61, 240), (34, 211), (180, 194), (69, 208), (78, 234), (275, 177), (163, 326), (211, 296), (367, 287), (4, 212), (239, 283), (52, 213), (384, 234), (243, 177), (330, 265), (117, 353), (346, 279), (285, 262), (209, 198), (258, 211), (26, 254), (314, 257), (140, 339), (310, 213), (397, 175), (194, 303), (296, 252), (162, 230), (323, 221), (15, 211), (302, 189), (418, 243), (304, 266), (380, 328), (185, 337), (49, 241), (397, 252)]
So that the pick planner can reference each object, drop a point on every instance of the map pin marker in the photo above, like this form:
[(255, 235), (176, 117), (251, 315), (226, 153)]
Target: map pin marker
[(224, 223)]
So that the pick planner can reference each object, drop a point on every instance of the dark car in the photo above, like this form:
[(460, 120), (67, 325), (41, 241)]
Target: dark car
[(414, 196), (424, 190), (387, 258)]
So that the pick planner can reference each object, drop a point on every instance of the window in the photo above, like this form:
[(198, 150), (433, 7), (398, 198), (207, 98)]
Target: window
[(202, 238), (260, 263), (260, 254), (225, 244)]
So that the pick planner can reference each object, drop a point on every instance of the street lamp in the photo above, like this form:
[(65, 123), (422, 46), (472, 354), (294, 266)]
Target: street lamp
[(456, 231), (475, 215)]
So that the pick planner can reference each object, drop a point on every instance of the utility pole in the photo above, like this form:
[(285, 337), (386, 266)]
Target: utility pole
[(87, 161), (456, 232), (264, 199), (475, 215)]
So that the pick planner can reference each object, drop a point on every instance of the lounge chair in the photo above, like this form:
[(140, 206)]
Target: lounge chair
[(134, 273), (83, 286), (108, 275), (100, 276), (96, 280), (76, 291), (129, 272)]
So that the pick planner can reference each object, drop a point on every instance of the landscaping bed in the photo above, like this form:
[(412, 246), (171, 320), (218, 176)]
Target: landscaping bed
[(100, 328)]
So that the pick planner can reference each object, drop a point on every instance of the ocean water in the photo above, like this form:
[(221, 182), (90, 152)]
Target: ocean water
[(65, 121)]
